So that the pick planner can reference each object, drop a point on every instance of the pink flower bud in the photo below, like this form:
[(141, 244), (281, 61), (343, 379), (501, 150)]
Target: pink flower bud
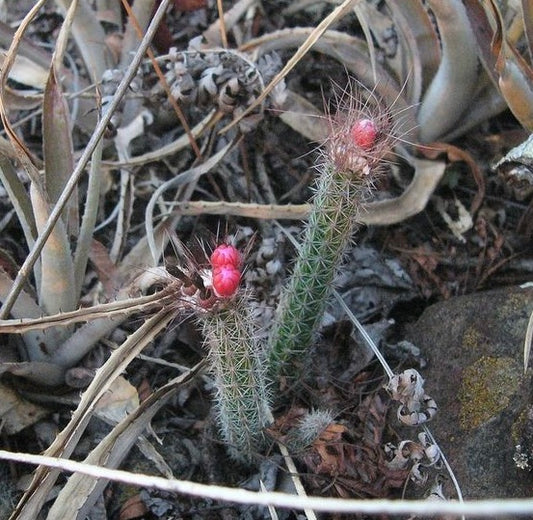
[(226, 279), (364, 133), (225, 254)]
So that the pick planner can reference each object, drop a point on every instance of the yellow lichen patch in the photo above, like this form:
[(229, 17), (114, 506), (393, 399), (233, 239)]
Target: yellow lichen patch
[(471, 338), (512, 305), (486, 389)]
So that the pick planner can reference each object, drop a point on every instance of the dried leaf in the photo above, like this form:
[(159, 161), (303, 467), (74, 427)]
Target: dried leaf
[(79, 494), (26, 72), (65, 442), (16, 413), (58, 150), (133, 508), (120, 400), (450, 93)]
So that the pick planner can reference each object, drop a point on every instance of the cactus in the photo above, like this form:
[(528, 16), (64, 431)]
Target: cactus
[(360, 135), (241, 398), (309, 429)]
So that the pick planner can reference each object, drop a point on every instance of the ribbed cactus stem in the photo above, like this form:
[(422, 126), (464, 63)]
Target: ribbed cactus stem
[(360, 135), (241, 399), (333, 220)]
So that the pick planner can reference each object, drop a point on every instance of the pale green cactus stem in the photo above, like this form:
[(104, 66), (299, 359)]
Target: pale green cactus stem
[(329, 230), (241, 399), (351, 157)]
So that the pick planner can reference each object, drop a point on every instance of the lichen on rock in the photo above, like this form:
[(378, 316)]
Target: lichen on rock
[(487, 387)]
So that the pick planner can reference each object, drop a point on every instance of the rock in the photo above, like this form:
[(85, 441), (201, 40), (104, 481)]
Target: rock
[(474, 347)]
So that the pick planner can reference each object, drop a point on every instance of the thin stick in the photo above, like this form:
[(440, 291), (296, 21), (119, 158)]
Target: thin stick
[(319, 30), (164, 83), (472, 508), (223, 33)]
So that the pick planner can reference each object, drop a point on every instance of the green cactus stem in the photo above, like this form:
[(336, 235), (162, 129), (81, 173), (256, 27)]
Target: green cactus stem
[(241, 398), (350, 160)]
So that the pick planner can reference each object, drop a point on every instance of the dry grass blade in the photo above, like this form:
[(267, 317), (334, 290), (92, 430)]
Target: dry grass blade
[(213, 34), (366, 23), (104, 310), (169, 149), (515, 74), (337, 13), (22, 152), (351, 52), (173, 102), (528, 341), (189, 176), (451, 90), (89, 36), (412, 201), (309, 513), (80, 493), (242, 209), (90, 213), (420, 45), (57, 289), (65, 442), (58, 149), (19, 198)]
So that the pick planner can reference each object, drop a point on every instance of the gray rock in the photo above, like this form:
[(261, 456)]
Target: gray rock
[(474, 347)]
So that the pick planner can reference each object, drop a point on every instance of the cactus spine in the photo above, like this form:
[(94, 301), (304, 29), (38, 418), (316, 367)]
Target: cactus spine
[(329, 230)]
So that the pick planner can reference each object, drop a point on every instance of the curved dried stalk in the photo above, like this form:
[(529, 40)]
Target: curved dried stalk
[(450, 93), (352, 53), (78, 496), (313, 37), (103, 310), (169, 149), (187, 177), (63, 445), (89, 36)]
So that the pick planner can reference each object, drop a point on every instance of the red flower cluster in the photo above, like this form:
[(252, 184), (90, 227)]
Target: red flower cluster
[(226, 262)]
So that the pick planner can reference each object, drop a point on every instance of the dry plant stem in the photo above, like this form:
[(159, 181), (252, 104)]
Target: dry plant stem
[(177, 109), (241, 399), (65, 442), (317, 32), (77, 498), (84, 159), (493, 508)]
